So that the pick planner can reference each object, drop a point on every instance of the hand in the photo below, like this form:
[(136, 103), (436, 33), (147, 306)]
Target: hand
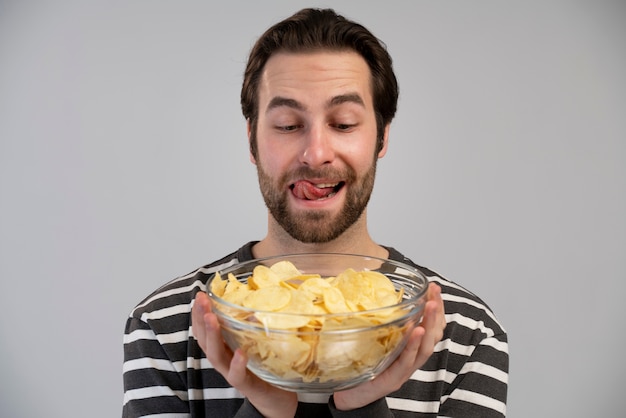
[(270, 401), (419, 348)]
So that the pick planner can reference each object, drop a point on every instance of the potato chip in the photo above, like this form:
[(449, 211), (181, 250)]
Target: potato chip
[(218, 285), (315, 286), (301, 341), (271, 298), (334, 301), (263, 276), (354, 287), (285, 270), (300, 303), (235, 292), (281, 321), (377, 280)]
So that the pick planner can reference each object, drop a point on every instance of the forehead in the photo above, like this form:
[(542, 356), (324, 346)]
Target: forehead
[(312, 76)]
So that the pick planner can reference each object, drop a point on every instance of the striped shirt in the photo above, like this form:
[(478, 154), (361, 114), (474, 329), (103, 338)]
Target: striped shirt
[(167, 375)]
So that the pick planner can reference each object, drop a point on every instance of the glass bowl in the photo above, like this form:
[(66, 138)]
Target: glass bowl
[(320, 352)]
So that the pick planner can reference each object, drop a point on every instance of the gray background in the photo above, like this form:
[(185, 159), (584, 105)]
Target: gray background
[(123, 163)]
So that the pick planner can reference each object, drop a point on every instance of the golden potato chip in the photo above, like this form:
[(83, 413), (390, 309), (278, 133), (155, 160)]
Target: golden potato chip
[(315, 286), (349, 322), (271, 298), (300, 303), (235, 292), (352, 286), (377, 280), (288, 347), (334, 300), (263, 276), (218, 285), (233, 284), (280, 320), (285, 270), (283, 298), (333, 355), (368, 354), (297, 280)]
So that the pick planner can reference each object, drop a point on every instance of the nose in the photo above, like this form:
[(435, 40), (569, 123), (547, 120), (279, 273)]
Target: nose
[(318, 148)]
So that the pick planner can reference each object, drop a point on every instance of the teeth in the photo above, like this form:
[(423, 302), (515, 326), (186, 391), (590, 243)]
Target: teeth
[(324, 185), (326, 197)]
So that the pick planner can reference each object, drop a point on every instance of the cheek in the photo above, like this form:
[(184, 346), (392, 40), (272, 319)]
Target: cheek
[(361, 158), (269, 160), (275, 156)]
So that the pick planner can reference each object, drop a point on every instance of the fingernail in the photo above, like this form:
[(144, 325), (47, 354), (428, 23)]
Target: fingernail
[(240, 357)]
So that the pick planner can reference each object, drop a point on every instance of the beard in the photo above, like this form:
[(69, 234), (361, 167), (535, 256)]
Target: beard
[(316, 226)]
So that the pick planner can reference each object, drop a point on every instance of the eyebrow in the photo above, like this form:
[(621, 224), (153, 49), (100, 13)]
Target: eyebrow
[(280, 101), (346, 98)]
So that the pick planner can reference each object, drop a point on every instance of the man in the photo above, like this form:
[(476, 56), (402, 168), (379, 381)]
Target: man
[(319, 94)]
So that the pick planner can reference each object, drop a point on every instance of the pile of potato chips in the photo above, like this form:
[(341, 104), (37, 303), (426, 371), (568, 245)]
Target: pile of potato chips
[(293, 337)]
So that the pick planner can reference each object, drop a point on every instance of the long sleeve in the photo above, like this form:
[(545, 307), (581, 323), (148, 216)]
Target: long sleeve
[(377, 409), (152, 383), (167, 374), (480, 387), (467, 375)]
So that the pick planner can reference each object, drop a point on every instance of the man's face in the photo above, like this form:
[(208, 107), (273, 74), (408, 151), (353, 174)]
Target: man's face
[(316, 142)]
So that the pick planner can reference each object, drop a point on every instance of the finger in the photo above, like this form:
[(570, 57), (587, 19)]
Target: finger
[(396, 374), (433, 317), (404, 365), (268, 399), (389, 380), (200, 305), (433, 323), (237, 374), (214, 347), (435, 294), (421, 341), (206, 330), (439, 320), (411, 351)]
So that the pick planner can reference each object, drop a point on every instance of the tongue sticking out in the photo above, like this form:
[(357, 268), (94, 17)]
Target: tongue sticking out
[(306, 190)]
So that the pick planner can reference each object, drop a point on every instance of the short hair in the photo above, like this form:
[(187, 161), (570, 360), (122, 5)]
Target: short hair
[(312, 30)]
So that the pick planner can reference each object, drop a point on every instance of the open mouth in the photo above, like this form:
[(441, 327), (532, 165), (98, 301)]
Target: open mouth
[(307, 190)]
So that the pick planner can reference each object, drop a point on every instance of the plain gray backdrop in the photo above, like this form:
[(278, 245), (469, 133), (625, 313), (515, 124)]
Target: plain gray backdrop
[(123, 164)]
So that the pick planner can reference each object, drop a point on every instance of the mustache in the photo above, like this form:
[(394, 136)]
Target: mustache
[(323, 173)]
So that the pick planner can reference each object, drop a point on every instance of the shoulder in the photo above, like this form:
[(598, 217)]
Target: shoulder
[(176, 296), (462, 306), (163, 365)]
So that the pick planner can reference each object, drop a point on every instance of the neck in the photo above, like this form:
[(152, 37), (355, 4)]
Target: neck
[(355, 240)]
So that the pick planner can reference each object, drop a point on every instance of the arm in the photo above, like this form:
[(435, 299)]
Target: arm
[(480, 388), (152, 385)]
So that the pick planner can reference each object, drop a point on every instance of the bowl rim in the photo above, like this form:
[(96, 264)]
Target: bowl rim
[(413, 300)]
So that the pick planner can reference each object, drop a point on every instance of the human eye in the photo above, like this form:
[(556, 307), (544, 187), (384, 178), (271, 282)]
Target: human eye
[(344, 126), (287, 128), (286, 122), (344, 120)]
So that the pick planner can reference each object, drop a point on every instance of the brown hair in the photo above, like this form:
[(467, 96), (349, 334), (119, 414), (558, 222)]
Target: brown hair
[(319, 29)]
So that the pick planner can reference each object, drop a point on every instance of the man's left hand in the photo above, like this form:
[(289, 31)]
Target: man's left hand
[(419, 348)]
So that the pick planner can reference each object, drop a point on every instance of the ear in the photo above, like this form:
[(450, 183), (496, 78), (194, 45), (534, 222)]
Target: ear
[(249, 133), (383, 149)]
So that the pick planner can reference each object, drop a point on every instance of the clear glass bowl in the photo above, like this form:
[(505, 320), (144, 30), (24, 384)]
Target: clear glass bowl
[(348, 349)]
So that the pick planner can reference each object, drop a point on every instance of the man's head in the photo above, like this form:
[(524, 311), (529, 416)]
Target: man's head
[(319, 94), (321, 30)]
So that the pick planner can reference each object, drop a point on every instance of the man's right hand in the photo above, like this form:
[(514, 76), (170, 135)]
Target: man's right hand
[(269, 400)]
